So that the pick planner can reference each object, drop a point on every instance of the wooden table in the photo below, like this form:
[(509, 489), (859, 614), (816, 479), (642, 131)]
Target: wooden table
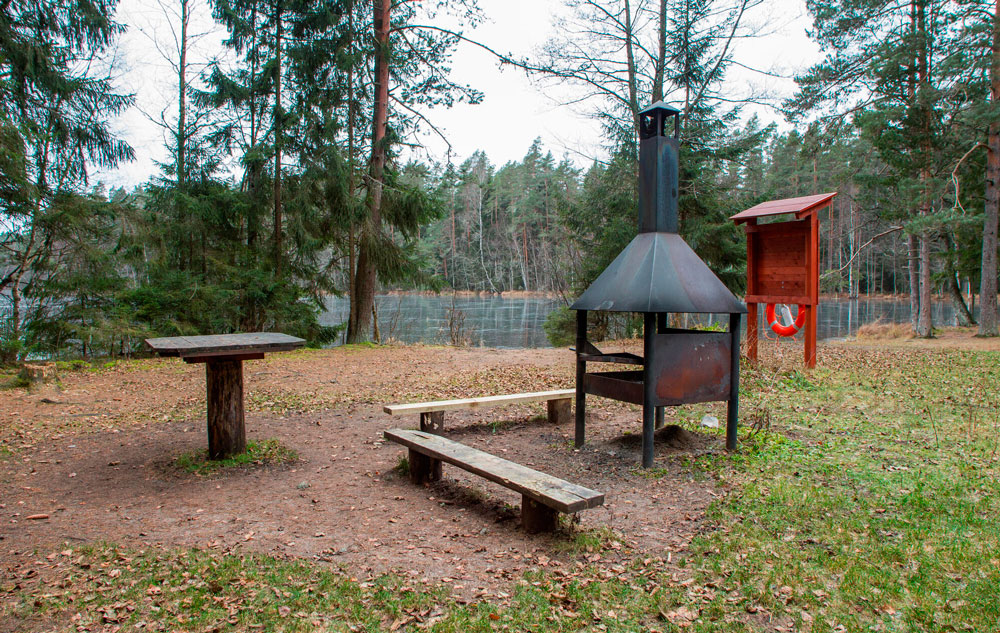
[(223, 355)]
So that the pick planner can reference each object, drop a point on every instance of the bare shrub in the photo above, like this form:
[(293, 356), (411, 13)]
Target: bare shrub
[(883, 331)]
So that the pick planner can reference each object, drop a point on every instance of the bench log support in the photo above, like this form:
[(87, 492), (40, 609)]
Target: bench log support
[(423, 469), (432, 422), (537, 517), (559, 411)]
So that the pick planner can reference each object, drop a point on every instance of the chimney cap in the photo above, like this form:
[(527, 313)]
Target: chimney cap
[(660, 105)]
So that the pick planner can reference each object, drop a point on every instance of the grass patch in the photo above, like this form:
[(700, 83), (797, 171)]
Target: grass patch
[(874, 509), (591, 540), (74, 365), (258, 453), (105, 586), (402, 467)]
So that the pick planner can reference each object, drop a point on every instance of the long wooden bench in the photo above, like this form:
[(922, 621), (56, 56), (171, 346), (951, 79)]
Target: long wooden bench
[(543, 496), (432, 413)]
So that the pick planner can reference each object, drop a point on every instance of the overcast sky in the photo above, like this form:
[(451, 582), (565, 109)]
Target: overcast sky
[(514, 111)]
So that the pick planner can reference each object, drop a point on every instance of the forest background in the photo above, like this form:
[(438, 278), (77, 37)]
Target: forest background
[(290, 176)]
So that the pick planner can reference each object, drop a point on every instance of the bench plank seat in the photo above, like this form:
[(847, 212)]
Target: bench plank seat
[(555, 493), (485, 401)]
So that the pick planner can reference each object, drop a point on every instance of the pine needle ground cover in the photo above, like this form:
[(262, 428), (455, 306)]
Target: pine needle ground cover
[(864, 500)]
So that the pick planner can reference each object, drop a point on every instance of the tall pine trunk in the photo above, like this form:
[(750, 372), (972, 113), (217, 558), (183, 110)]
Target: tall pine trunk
[(661, 53), (988, 286), (181, 175), (278, 132), (913, 276), (364, 285), (924, 321), (633, 90)]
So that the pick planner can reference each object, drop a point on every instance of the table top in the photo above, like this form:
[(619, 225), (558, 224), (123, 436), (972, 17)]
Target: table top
[(224, 344)]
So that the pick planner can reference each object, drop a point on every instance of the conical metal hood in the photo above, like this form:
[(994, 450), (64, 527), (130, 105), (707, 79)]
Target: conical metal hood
[(659, 272)]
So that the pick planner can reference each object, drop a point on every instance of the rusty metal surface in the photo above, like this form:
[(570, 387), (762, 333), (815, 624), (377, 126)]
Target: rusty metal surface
[(624, 386), (689, 368), (658, 272), (798, 206)]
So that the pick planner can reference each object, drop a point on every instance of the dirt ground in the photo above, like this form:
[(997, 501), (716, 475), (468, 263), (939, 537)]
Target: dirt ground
[(96, 453)]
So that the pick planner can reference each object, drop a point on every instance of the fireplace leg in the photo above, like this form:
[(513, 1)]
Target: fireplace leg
[(648, 406), (733, 412), (581, 372)]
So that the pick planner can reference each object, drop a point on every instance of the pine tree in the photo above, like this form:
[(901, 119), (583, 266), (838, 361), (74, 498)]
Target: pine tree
[(55, 107)]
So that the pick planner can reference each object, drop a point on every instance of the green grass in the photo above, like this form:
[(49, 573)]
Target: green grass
[(258, 453), (870, 504), (876, 509)]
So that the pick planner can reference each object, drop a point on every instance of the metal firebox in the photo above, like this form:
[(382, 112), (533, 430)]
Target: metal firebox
[(657, 274)]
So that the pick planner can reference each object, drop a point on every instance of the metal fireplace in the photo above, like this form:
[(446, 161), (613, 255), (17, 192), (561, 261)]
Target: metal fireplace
[(658, 274)]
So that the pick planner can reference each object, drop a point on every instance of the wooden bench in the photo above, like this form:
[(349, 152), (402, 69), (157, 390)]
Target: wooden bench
[(432, 413), (542, 496)]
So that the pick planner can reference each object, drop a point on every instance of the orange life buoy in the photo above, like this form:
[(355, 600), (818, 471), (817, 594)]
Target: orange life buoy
[(785, 330)]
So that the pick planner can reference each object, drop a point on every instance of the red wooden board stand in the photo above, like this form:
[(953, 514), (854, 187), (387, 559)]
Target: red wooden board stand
[(783, 262)]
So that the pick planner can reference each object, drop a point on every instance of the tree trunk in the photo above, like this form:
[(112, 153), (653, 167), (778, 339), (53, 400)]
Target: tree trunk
[(351, 183), (661, 53), (633, 91), (925, 326), (278, 131), (924, 321), (963, 316), (988, 325), (182, 98), (364, 286), (913, 273), (181, 134)]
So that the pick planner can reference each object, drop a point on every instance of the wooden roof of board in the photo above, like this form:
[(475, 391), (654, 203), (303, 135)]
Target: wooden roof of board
[(799, 206)]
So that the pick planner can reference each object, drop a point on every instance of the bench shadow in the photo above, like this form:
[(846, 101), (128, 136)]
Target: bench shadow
[(452, 496)]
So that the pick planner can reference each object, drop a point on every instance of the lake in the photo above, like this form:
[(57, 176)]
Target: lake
[(491, 321)]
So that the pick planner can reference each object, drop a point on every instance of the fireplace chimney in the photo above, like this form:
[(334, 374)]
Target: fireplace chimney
[(658, 151)]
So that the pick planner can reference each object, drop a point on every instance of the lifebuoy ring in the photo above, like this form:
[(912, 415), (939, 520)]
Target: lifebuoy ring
[(785, 330)]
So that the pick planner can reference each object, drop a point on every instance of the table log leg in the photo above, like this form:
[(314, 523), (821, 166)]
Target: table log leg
[(536, 517), (226, 427)]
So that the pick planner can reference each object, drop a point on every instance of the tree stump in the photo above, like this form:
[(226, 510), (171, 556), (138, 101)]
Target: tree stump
[(226, 426)]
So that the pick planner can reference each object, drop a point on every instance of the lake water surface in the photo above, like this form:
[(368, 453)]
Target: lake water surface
[(491, 321)]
